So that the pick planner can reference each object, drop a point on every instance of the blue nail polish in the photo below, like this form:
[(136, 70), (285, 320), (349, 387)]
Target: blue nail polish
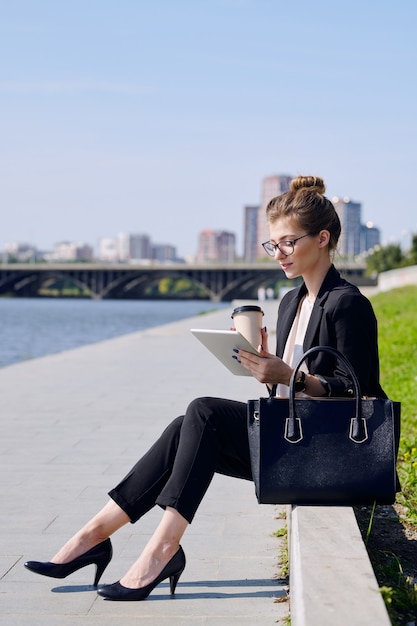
[(235, 350)]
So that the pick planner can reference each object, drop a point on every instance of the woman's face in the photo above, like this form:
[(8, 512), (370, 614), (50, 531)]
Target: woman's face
[(308, 252)]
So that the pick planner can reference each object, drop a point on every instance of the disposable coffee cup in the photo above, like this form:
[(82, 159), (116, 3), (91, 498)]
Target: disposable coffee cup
[(248, 321)]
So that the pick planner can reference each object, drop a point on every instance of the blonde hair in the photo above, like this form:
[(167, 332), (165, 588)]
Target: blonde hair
[(307, 205)]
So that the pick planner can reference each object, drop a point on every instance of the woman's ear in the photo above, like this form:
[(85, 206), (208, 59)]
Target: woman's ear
[(324, 238)]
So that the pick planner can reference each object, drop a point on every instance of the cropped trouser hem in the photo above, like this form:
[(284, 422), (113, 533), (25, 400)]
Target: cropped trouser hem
[(125, 506), (132, 513)]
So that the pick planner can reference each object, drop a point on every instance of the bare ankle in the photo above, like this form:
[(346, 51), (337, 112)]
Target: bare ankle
[(79, 544)]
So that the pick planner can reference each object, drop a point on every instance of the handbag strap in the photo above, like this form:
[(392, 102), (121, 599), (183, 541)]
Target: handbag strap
[(358, 430)]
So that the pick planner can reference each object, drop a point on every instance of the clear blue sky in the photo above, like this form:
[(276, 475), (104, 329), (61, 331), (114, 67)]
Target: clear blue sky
[(163, 116)]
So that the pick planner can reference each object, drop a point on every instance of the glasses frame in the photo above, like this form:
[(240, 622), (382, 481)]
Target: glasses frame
[(277, 246)]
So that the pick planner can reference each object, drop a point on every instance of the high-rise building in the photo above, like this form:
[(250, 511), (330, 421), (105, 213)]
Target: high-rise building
[(271, 186), (350, 218), (370, 237), (206, 246), (226, 245), (216, 246), (251, 243)]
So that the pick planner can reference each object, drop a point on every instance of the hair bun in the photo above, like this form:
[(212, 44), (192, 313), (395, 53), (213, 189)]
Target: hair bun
[(312, 183)]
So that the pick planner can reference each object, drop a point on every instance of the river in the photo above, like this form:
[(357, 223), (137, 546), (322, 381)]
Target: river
[(34, 327)]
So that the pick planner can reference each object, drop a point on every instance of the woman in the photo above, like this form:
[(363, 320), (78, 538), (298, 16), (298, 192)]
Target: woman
[(212, 435)]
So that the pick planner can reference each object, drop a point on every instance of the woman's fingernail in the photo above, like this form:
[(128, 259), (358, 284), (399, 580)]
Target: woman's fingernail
[(235, 350)]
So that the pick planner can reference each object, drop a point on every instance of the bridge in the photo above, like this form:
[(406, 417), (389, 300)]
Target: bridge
[(222, 282)]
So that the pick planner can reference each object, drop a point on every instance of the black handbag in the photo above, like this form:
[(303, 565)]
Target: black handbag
[(324, 450)]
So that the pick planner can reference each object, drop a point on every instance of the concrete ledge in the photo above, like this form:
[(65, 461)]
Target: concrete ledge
[(332, 582)]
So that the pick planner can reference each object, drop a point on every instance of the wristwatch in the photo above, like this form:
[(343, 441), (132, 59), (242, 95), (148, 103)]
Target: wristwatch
[(300, 382)]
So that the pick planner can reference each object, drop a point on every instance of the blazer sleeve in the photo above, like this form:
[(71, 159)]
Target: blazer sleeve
[(350, 326)]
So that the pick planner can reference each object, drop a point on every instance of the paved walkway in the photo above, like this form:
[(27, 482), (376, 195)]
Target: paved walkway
[(72, 424)]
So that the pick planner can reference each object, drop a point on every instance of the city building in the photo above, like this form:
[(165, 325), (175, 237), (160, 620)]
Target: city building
[(216, 246), (370, 237), (131, 248), (123, 247), (68, 251), (250, 237), (20, 252), (163, 253), (355, 237), (107, 250), (140, 247), (350, 218), (271, 186), (226, 246)]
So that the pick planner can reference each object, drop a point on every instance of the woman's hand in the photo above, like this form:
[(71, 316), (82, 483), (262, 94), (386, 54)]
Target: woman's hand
[(265, 367)]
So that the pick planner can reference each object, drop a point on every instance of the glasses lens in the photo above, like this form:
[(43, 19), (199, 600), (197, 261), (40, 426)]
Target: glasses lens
[(269, 248), (286, 247)]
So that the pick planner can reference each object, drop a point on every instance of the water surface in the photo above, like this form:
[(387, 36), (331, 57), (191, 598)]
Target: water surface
[(35, 327)]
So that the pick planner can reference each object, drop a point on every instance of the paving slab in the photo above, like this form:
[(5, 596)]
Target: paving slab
[(72, 425)]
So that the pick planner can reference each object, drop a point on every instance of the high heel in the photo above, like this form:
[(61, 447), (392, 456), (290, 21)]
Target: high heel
[(172, 570), (100, 556)]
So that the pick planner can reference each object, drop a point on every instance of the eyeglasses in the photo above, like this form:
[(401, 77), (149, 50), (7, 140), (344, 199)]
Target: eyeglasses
[(285, 247)]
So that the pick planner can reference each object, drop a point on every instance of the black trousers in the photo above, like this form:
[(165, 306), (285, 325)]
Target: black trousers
[(177, 470)]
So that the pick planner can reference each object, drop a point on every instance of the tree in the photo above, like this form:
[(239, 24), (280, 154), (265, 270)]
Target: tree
[(385, 258), (412, 254)]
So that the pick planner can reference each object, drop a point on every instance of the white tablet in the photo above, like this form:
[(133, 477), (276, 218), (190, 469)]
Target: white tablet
[(221, 343)]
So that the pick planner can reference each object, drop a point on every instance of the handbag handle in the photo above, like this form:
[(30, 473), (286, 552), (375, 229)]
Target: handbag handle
[(293, 428)]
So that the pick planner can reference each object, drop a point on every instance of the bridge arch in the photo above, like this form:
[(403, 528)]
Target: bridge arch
[(221, 282)]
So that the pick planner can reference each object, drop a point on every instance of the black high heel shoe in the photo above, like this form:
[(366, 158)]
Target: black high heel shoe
[(172, 570), (100, 556)]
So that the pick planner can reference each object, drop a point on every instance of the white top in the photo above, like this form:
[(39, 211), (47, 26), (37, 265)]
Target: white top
[(294, 346)]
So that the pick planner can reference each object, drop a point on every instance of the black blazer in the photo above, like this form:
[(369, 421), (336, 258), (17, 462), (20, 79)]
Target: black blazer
[(343, 319)]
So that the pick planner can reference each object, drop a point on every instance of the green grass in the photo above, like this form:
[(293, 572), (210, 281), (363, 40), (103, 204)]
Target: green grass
[(283, 556), (397, 324), (400, 596)]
